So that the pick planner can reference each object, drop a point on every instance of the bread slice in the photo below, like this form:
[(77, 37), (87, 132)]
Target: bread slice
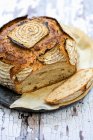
[(72, 88), (42, 57)]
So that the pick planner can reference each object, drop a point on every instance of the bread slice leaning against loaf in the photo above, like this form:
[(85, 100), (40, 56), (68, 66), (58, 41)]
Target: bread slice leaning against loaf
[(35, 53), (72, 88)]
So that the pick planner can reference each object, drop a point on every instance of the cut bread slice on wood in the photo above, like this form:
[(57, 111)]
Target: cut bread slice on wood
[(72, 88)]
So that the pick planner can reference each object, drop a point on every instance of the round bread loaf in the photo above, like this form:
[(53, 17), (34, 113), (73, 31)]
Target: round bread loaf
[(35, 53)]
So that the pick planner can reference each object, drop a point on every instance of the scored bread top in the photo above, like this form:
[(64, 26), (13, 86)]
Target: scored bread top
[(20, 56), (29, 33), (72, 87)]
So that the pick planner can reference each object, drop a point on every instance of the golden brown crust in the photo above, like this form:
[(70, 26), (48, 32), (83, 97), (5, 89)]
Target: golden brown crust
[(48, 50), (29, 33), (11, 53)]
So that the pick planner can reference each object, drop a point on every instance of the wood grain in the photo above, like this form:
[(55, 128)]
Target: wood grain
[(74, 122)]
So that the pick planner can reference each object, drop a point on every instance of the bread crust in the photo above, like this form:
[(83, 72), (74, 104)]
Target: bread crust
[(23, 60)]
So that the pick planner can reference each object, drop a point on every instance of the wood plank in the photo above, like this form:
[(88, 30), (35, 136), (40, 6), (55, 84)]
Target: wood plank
[(18, 125)]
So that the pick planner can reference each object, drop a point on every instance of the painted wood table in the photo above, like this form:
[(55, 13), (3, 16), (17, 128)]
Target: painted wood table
[(74, 122)]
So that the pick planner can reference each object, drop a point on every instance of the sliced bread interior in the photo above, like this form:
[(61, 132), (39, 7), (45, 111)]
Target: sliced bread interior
[(50, 74), (72, 88)]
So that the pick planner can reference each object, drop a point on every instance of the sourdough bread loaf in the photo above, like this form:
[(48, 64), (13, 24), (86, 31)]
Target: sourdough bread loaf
[(35, 53), (72, 88)]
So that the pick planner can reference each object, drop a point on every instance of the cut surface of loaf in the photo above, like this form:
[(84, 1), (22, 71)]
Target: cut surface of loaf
[(72, 87), (38, 53)]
